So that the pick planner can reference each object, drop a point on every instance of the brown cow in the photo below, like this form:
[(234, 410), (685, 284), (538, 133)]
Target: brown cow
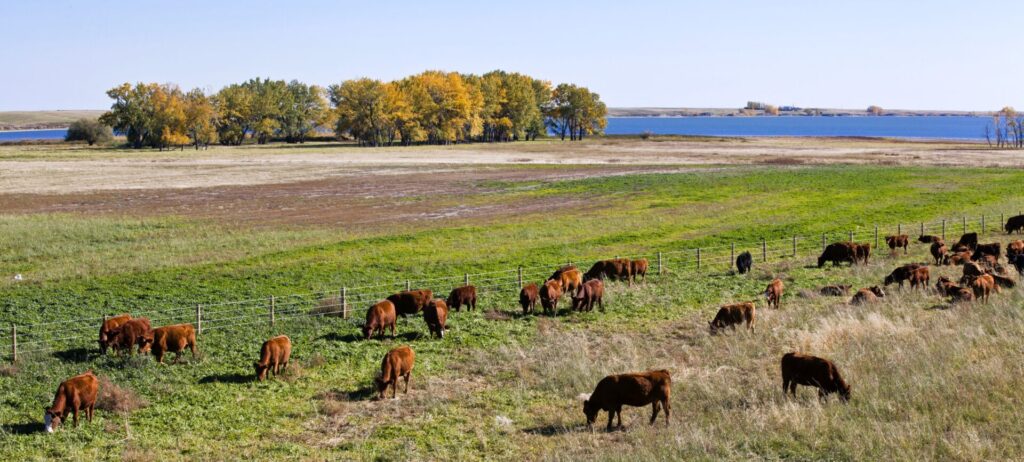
[(835, 290), (948, 288), (75, 394), (570, 279), (639, 267), (171, 339), (898, 241), (379, 316), (928, 239), (962, 295), (837, 253), (133, 333), (411, 301), (938, 251), (528, 297), (636, 389), (731, 315), (867, 295), (861, 253), (397, 363), (557, 275), (983, 286), (614, 269), (800, 369), (590, 292), (1013, 249), (549, 295), (436, 317), (774, 292), (114, 322), (465, 295), (900, 274), (274, 355), (920, 277), (957, 258)]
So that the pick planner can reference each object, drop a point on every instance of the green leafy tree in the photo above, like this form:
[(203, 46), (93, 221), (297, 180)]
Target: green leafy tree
[(89, 130)]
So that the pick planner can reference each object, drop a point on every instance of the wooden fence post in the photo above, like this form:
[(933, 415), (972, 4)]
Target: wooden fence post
[(876, 237), (851, 236), (1002, 221), (764, 250), (732, 255), (199, 318), (983, 223), (698, 258), (794, 246), (343, 301), (14, 343), (520, 276), (823, 242), (661, 270), (922, 229), (964, 219), (899, 228), (273, 315), (408, 285), (943, 229), (467, 279)]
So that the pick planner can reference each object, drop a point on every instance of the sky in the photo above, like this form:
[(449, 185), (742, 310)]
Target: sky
[(910, 54)]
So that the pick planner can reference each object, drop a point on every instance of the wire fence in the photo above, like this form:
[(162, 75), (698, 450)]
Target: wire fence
[(498, 288)]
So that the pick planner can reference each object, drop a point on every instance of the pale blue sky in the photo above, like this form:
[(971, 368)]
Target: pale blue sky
[(898, 54)]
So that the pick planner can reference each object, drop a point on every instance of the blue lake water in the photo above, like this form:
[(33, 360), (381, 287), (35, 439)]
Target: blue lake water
[(929, 127), (23, 135)]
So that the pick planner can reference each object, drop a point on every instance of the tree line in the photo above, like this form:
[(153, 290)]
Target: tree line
[(432, 107), (1007, 127)]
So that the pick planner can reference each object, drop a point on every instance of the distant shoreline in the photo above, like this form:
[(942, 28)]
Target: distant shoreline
[(795, 112)]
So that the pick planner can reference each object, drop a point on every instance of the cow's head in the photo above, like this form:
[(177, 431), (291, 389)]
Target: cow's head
[(367, 330), (381, 386), (261, 370), (146, 342), (51, 420), (878, 291), (713, 326), (844, 390), (888, 280), (590, 410)]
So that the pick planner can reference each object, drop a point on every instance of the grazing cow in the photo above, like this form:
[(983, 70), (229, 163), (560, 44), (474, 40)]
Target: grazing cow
[(1013, 249), (1003, 281), (274, 355), (172, 339), (128, 335), (744, 262), (800, 369), (638, 268), (731, 315), (569, 279), (920, 276), (774, 292), (411, 301), (379, 316), (614, 269), (928, 239), (397, 363), (75, 394), (898, 241), (867, 295), (436, 315), (958, 258), (590, 292), (938, 250), (861, 253), (983, 286), (636, 389), (962, 295), (528, 297), (549, 295), (465, 295), (901, 274), (110, 324), (970, 240), (557, 275), (835, 290), (837, 253), (1014, 224), (972, 270), (994, 249), (962, 248), (946, 286)]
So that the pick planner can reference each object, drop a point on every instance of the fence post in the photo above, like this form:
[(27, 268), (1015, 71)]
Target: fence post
[(698, 258), (1001, 220), (983, 223), (922, 229), (467, 279), (521, 276), (899, 228), (14, 343), (408, 285), (964, 219), (794, 246), (943, 229), (661, 270), (764, 250), (851, 236), (823, 242), (732, 255), (199, 318), (272, 314), (344, 302), (876, 237)]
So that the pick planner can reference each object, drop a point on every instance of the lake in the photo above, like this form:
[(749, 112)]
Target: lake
[(924, 127)]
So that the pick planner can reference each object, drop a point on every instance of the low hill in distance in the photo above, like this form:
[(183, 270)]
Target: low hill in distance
[(34, 120)]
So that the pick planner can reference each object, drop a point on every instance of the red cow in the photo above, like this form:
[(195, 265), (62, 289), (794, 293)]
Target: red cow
[(75, 394), (274, 355)]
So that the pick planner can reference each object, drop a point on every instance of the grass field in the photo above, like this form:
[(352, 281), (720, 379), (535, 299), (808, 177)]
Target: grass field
[(928, 383)]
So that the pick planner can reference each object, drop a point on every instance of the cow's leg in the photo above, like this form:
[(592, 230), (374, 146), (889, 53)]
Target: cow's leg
[(618, 412), (408, 378), (74, 412), (600, 301), (654, 411), (611, 418), (668, 410)]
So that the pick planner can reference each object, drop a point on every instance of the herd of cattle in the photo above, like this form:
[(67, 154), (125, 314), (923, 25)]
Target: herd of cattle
[(982, 274)]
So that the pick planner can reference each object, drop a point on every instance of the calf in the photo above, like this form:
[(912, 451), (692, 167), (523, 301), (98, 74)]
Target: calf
[(958, 258), (379, 316), (920, 277), (590, 292), (744, 262), (528, 297), (1013, 249), (557, 275), (837, 253), (465, 295), (835, 290), (928, 238), (397, 363), (983, 286), (108, 325), (615, 269), (800, 369), (861, 253), (938, 251), (636, 389), (75, 394), (867, 295), (948, 288), (1015, 223), (968, 240), (901, 274), (436, 315), (897, 241), (638, 268), (133, 333), (411, 301), (774, 292), (732, 315), (994, 249), (549, 295), (173, 339), (570, 280), (274, 355)]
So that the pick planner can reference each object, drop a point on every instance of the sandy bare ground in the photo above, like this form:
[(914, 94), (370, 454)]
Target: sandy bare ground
[(23, 171)]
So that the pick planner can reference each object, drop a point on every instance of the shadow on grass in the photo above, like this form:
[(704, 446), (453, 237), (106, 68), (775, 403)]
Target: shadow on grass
[(228, 378), (75, 355), (349, 338), (24, 428), (554, 430)]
